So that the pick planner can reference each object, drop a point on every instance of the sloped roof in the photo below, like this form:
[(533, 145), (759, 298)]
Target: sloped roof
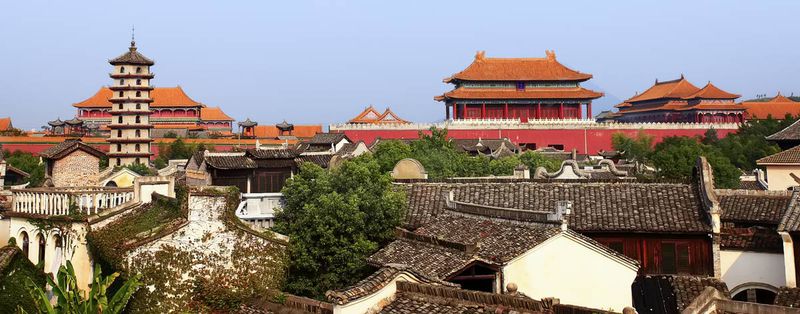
[(512, 93), (759, 208), (131, 57), (673, 293), (272, 153), (753, 239), (64, 148), (377, 281), (271, 131), (596, 206), (229, 161), (789, 156), (517, 69), (437, 299), (790, 133), (327, 138), (389, 116), (213, 114), (369, 115), (680, 88), (788, 297), (5, 124), (712, 92), (162, 97), (777, 107), (791, 220)]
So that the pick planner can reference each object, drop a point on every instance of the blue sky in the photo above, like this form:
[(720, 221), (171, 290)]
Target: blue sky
[(324, 61)]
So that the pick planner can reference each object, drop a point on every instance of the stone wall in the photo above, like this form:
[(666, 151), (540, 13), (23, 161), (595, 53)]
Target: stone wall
[(79, 168)]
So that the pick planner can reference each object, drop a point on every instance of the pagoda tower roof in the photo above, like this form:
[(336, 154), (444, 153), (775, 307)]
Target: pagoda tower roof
[(131, 57), (517, 69), (712, 92), (675, 89)]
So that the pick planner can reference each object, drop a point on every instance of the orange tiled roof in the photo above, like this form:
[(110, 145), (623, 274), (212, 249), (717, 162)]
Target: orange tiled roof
[(680, 106), (518, 69), (271, 131), (511, 93), (712, 92), (622, 105), (777, 107), (213, 114), (369, 115), (679, 88), (162, 97), (5, 124)]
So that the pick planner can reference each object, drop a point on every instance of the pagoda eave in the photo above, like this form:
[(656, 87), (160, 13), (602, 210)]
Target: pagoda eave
[(130, 100), (143, 154), (132, 87), (131, 75), (130, 140), (129, 126)]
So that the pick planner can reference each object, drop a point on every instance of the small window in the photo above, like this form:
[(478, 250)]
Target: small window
[(138, 94), (138, 119), (119, 147), (119, 161), (122, 70), (520, 85), (616, 246), (121, 82), (121, 94), (119, 133), (557, 146), (138, 148), (137, 161), (120, 106), (138, 133), (138, 82), (138, 69), (138, 106), (119, 119)]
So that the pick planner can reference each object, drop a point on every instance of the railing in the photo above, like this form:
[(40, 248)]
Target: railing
[(258, 209), (466, 124), (61, 201)]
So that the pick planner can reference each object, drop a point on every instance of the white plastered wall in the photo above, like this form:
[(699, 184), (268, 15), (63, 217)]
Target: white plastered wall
[(740, 267)]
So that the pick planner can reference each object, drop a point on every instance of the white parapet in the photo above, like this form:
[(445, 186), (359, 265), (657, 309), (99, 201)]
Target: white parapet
[(536, 124)]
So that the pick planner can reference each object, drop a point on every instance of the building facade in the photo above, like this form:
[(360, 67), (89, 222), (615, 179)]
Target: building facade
[(680, 101), (130, 113), (518, 88)]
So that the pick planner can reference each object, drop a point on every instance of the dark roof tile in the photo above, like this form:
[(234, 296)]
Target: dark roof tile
[(66, 147), (761, 208)]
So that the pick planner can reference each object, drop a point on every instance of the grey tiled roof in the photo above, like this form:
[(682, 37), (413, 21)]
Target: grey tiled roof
[(754, 208), (789, 156), (791, 220), (132, 57), (282, 153), (326, 138), (687, 288), (322, 160), (66, 147), (753, 239), (790, 133), (230, 162), (671, 293), (596, 206), (749, 185), (421, 298), (375, 282)]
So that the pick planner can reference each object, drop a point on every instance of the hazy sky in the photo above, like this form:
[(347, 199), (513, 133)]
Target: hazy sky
[(324, 61)]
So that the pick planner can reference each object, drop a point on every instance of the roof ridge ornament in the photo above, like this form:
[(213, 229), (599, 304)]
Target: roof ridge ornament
[(551, 55), (480, 55), (133, 38)]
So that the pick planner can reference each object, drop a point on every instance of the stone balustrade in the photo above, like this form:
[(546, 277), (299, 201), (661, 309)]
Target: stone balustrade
[(59, 201), (258, 209)]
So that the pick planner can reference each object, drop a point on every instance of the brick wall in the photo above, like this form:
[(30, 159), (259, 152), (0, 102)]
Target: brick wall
[(76, 169)]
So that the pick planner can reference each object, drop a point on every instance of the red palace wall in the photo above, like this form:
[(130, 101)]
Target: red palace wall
[(585, 141)]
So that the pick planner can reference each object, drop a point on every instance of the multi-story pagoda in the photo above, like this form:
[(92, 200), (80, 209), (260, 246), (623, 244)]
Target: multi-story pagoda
[(518, 88), (130, 112), (680, 101)]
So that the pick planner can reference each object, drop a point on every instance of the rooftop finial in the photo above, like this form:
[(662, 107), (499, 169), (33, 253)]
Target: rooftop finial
[(480, 55), (133, 36), (551, 54), (681, 75)]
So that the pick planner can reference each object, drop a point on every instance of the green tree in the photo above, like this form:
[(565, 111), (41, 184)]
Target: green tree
[(388, 153), (70, 299), (637, 150), (535, 160), (140, 168), (749, 143), (675, 158), (334, 220), (27, 162)]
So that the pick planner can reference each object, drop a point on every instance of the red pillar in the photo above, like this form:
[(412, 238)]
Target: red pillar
[(446, 112), (505, 111), (580, 111), (589, 111), (455, 111), (538, 110), (483, 111), (561, 110)]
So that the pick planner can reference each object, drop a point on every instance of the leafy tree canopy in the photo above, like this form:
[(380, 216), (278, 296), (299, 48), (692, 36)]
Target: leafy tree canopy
[(27, 162), (335, 219)]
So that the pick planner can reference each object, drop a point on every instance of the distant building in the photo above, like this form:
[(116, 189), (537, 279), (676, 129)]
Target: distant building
[(5, 124), (72, 163), (372, 116), (778, 108), (680, 101), (518, 88)]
